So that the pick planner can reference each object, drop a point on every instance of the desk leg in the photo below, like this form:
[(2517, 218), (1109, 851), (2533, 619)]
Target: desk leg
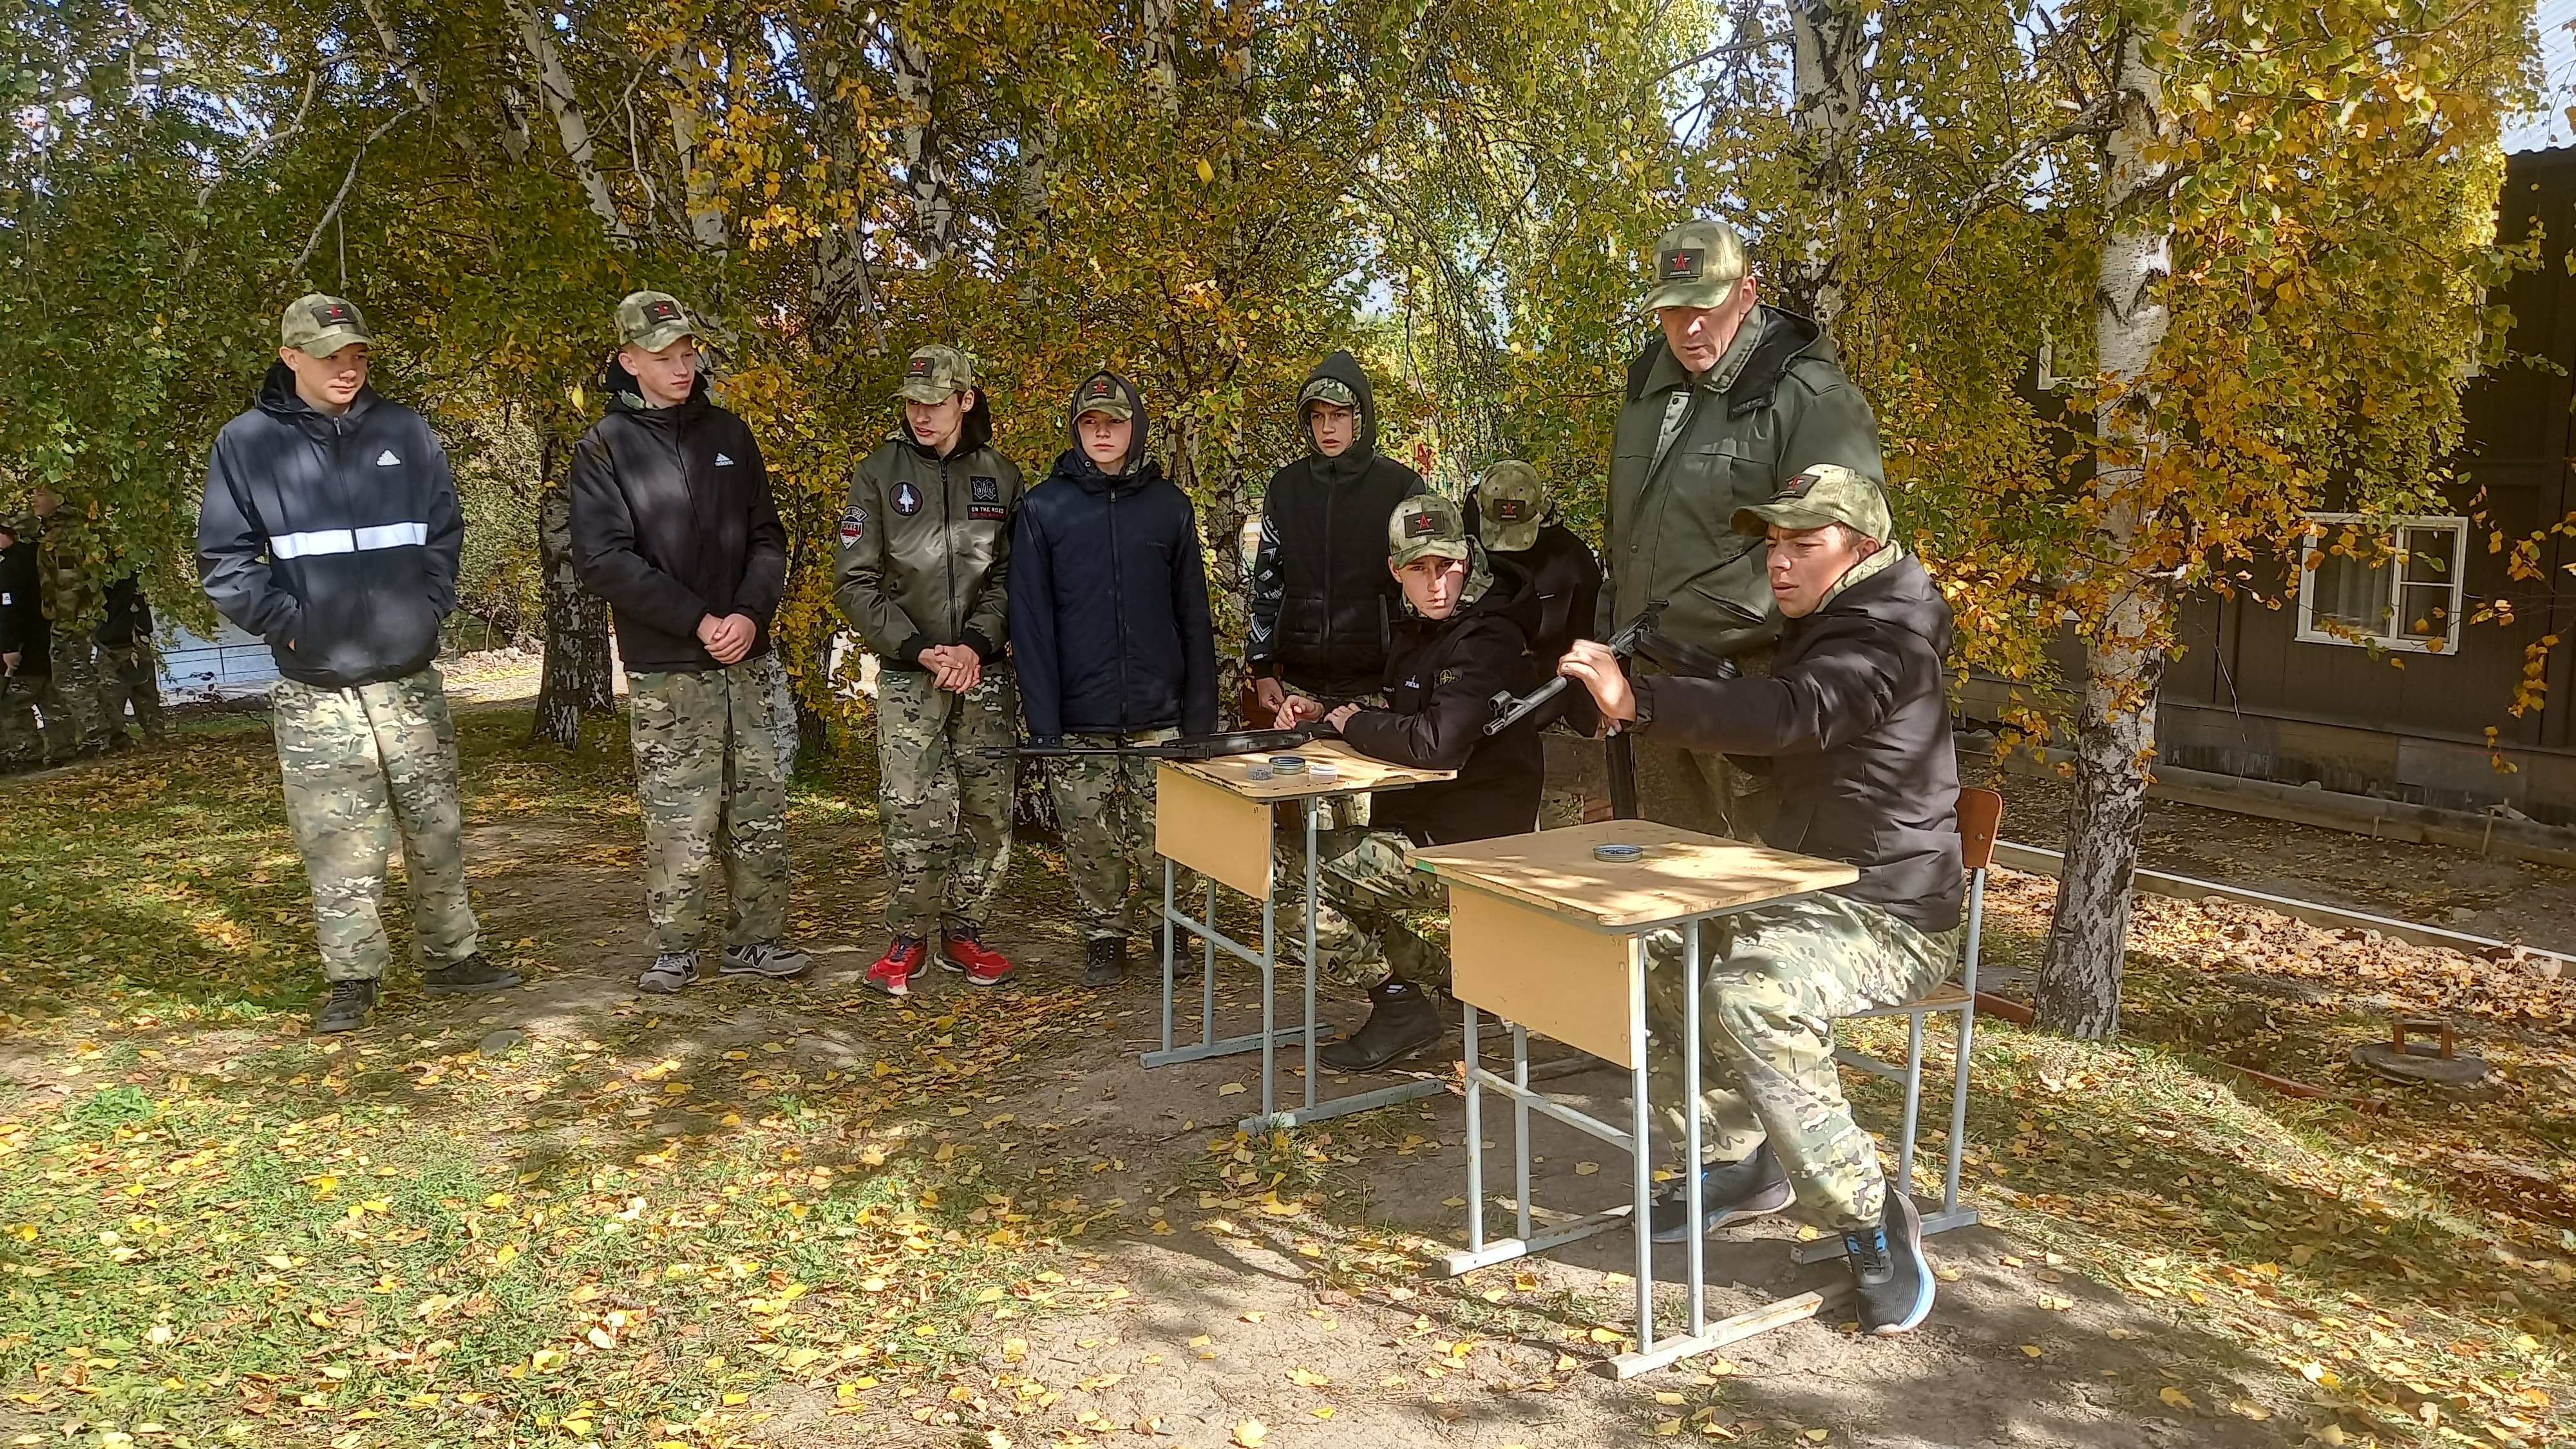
[(1692, 1205), (1311, 867), (1169, 873), (1315, 1031), (1641, 1155), (1270, 1007), (1209, 1044), (1520, 1126), (1475, 1144)]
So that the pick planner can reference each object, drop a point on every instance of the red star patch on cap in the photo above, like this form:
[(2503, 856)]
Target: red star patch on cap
[(1681, 264)]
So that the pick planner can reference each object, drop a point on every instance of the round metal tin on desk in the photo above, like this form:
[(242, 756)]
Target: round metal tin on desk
[(1619, 854), (1287, 764), (1323, 770), (1258, 770)]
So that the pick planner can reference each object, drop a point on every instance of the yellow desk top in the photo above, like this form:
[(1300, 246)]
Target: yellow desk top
[(1683, 873), (1358, 774)]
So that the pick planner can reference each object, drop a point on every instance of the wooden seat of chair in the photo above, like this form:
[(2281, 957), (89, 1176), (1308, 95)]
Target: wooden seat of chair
[(1948, 996)]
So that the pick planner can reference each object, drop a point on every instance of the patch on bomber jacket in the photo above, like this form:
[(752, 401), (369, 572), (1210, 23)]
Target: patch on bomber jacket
[(985, 489), (854, 526), (907, 499)]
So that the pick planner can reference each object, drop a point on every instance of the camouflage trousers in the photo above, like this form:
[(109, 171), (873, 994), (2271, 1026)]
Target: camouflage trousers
[(713, 748), (1363, 930), (52, 715), (1106, 810), (358, 765), (129, 674), (945, 809), (1702, 790), (1772, 981)]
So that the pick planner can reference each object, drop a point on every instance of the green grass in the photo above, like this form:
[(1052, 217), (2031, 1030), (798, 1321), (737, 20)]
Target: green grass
[(215, 1229)]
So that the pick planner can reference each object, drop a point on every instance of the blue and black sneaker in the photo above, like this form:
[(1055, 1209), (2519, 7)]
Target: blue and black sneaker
[(1890, 1275), (1729, 1192)]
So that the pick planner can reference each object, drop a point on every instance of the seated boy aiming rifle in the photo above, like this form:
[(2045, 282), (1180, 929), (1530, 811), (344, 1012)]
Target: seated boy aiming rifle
[(1463, 638)]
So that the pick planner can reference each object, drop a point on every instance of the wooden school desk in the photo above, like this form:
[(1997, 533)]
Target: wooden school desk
[(1213, 817), (1552, 940)]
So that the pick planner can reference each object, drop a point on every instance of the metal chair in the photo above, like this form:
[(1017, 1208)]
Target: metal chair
[(1980, 815)]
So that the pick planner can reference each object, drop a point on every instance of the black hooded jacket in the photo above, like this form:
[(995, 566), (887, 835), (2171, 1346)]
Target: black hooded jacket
[(672, 521), (1322, 601), (1441, 679), (1109, 600), (128, 620), (23, 631), (335, 539), (1856, 720)]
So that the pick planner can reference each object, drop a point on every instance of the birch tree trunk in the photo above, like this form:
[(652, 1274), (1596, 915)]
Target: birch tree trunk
[(1160, 22), (577, 670), (1830, 39), (2079, 981), (554, 88), (925, 174), (705, 210)]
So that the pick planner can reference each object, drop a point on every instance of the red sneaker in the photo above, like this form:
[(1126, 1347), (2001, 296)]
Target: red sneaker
[(983, 965), (893, 972)]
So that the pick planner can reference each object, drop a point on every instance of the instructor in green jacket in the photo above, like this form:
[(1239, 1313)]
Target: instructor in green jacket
[(1729, 403)]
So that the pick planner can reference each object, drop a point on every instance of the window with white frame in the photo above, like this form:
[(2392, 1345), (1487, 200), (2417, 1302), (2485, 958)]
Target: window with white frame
[(2387, 583)]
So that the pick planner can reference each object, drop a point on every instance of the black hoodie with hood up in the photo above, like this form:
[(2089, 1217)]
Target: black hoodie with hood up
[(335, 539), (1855, 716), (1109, 601), (672, 521), (1322, 602)]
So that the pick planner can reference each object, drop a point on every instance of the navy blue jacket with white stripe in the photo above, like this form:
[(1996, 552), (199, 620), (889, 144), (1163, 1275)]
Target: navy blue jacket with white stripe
[(334, 539)]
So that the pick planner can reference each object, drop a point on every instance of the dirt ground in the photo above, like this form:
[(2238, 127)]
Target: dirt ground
[(1242, 1311), (2436, 885), (1235, 1314)]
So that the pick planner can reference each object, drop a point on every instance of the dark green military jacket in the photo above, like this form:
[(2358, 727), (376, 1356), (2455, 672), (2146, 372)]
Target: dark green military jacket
[(925, 546), (1784, 407)]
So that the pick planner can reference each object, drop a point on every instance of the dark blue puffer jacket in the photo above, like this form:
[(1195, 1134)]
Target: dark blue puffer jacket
[(1109, 603)]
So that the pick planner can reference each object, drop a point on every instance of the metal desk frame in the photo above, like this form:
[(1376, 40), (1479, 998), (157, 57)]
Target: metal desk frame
[(1272, 1035)]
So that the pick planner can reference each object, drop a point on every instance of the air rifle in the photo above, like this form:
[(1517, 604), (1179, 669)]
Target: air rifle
[(1510, 709), (1194, 747)]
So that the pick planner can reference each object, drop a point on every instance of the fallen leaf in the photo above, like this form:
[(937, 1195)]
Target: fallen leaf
[(1586, 1169), (1250, 1433), (2249, 1409), (1229, 1089), (2031, 1348), (1308, 1379), (2175, 1397)]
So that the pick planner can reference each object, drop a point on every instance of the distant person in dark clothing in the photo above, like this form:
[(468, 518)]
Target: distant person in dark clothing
[(24, 661), (1109, 624), (1514, 514), (129, 669)]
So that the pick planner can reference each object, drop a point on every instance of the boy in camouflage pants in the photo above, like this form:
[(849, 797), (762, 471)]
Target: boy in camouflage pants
[(1110, 627), (1854, 716), (330, 528), (923, 575), (1463, 639), (673, 523)]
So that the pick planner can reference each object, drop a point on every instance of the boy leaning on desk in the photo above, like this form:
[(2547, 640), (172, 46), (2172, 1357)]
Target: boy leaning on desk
[(1856, 724), (1462, 639)]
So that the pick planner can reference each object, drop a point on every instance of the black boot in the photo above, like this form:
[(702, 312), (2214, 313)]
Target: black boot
[(1402, 1021), (471, 974), (1728, 1192), (348, 1007), (1104, 961)]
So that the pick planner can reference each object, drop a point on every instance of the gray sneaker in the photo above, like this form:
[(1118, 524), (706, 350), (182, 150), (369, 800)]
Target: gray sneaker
[(670, 971), (765, 958)]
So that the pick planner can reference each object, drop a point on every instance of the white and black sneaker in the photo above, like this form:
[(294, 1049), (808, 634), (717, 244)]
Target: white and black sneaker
[(1729, 1192), (670, 971), (1890, 1275), (765, 959)]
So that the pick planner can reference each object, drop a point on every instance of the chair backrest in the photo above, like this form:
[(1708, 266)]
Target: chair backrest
[(1981, 814)]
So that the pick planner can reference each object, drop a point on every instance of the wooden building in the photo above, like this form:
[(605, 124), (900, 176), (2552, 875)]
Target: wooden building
[(2292, 694)]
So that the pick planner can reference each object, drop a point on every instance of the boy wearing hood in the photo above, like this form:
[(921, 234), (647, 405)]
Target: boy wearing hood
[(1464, 638), (924, 575), (1321, 606), (1110, 628), (674, 525), (330, 529), (1855, 719)]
